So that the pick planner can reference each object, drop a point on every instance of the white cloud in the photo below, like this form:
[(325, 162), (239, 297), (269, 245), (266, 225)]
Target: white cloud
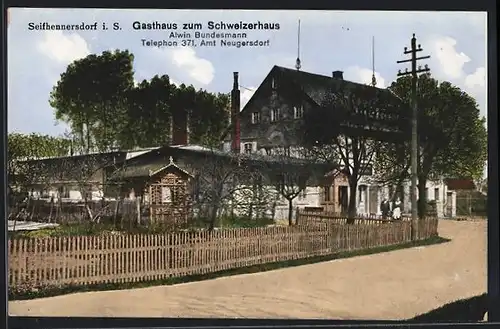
[(476, 79), (246, 94), (35, 56), (451, 61), (363, 75), (199, 69), (63, 48)]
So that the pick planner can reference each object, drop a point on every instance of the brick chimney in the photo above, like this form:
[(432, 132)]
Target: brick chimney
[(235, 111), (179, 128), (338, 75)]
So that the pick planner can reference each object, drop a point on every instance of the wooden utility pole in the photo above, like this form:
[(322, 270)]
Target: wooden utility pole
[(414, 133)]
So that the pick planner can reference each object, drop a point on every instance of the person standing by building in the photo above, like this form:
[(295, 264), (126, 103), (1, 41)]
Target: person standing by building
[(385, 208), (396, 209)]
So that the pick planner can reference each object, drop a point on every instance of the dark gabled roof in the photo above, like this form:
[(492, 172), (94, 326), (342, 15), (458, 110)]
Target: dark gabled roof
[(156, 159), (147, 164), (320, 88)]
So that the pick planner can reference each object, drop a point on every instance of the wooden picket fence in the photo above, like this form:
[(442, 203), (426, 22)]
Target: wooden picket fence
[(305, 217), (82, 260)]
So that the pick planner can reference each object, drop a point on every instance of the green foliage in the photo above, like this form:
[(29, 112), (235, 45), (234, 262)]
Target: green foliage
[(452, 133), (22, 147), (96, 96), (452, 137), (30, 146), (91, 97)]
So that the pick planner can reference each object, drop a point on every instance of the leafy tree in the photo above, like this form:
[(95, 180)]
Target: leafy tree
[(452, 136), (336, 132), (36, 146), (147, 119), (91, 97), (289, 171), (97, 97), (22, 171)]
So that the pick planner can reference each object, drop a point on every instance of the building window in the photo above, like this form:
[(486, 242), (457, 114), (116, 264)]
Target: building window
[(44, 194), (247, 148), (326, 190), (255, 117), (298, 112), (362, 193), (275, 115), (436, 193), (63, 192), (273, 83), (303, 194)]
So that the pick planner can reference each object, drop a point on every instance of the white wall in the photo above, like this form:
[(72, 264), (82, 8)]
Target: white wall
[(73, 195), (310, 197), (441, 199)]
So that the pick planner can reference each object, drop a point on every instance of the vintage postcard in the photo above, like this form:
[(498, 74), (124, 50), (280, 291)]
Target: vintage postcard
[(279, 164)]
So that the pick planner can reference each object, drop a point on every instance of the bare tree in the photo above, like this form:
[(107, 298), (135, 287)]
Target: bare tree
[(259, 200), (221, 182), (289, 171), (21, 177), (28, 182), (339, 131)]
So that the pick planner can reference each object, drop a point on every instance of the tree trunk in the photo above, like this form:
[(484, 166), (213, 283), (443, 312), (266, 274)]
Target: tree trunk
[(58, 210), (138, 208), (351, 209), (33, 209), (297, 212), (214, 208), (88, 136), (117, 208), (422, 198), (273, 211), (51, 208), (290, 212), (250, 209), (88, 211), (213, 218)]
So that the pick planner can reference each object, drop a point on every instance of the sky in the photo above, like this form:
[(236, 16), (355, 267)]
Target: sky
[(329, 41)]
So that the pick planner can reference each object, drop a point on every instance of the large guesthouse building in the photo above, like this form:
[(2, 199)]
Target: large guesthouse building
[(270, 122), (274, 119)]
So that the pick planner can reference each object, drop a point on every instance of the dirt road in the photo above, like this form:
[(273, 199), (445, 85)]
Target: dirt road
[(394, 285)]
